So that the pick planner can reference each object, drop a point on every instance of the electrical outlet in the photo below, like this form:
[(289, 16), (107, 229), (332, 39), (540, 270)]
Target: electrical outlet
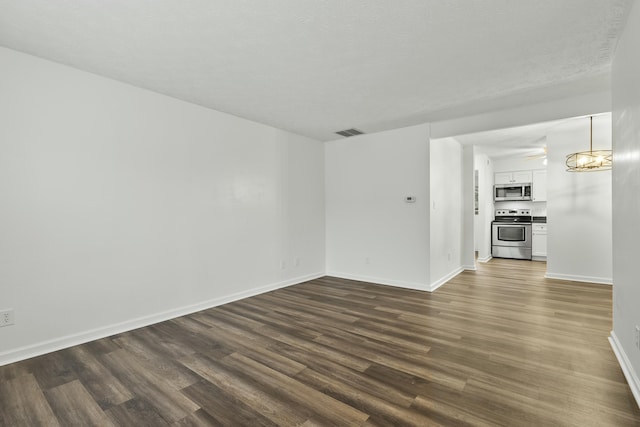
[(296, 261), (283, 265), (367, 260), (6, 317), (638, 337)]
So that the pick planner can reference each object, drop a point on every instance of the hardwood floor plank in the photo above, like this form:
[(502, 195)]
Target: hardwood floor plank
[(367, 403), (572, 412), (402, 381), (137, 375), (338, 355), (13, 370), (256, 347), (52, 370), (349, 376), (449, 415), (286, 324), (299, 394), (101, 346), (200, 418), (136, 412), (98, 380), (224, 409), (190, 342), (308, 308), (229, 313), (22, 403), (74, 406), (500, 346), (159, 362), (411, 363), (245, 389)]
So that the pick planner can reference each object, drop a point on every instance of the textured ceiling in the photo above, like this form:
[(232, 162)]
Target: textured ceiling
[(521, 141), (525, 141), (318, 66)]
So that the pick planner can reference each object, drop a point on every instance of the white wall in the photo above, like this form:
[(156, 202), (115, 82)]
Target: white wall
[(579, 205), (467, 248), (517, 163), (372, 234), (626, 199), (122, 207), (446, 209), (482, 224)]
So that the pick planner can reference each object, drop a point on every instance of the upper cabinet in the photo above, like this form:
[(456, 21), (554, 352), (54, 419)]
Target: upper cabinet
[(539, 190), (519, 177)]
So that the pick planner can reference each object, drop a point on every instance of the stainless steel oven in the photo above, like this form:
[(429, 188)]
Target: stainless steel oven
[(511, 234)]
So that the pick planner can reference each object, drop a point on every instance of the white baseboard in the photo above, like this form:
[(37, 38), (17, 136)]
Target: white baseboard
[(589, 279), (444, 279), (400, 284), (485, 259), (22, 353), (469, 267), (629, 373)]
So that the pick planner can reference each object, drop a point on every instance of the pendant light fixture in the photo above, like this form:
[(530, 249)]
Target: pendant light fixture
[(592, 160)]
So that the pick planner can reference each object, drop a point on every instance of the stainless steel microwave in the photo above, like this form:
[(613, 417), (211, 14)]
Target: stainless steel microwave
[(505, 192)]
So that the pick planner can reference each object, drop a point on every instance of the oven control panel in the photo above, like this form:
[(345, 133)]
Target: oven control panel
[(513, 212)]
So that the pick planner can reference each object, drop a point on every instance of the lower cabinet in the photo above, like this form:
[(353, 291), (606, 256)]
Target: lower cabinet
[(539, 241)]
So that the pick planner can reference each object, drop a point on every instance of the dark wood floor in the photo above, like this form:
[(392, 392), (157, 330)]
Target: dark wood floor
[(498, 347)]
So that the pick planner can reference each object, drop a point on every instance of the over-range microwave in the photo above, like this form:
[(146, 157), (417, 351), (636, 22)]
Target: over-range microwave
[(505, 192)]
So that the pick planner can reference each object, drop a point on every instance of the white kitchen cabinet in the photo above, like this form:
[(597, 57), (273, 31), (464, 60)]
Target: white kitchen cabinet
[(517, 177), (539, 241), (522, 176), (539, 190), (503, 177)]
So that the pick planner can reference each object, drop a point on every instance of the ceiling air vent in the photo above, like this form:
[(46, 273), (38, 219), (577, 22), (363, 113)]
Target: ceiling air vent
[(349, 132)]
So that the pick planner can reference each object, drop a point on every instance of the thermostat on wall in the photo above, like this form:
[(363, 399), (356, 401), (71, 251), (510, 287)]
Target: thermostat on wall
[(410, 199)]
